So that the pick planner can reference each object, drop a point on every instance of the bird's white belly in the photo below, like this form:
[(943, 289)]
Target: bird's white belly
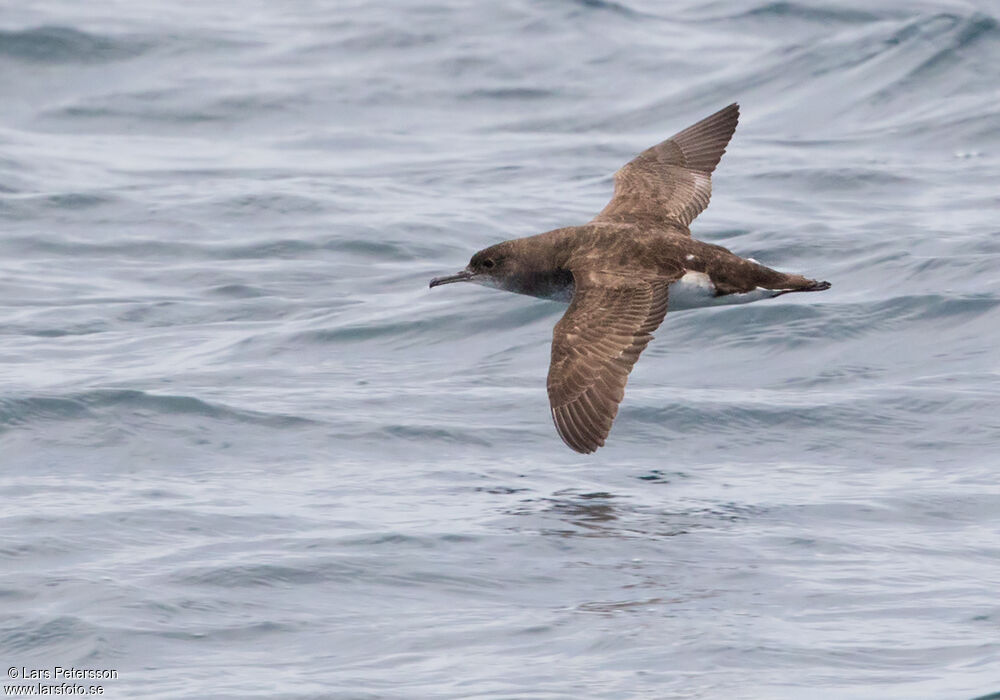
[(695, 290)]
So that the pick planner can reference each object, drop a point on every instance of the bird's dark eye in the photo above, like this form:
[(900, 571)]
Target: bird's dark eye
[(488, 263)]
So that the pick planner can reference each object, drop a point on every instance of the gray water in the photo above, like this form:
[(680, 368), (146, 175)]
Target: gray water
[(245, 452)]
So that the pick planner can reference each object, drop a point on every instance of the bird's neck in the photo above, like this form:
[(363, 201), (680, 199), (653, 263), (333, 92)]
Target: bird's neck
[(542, 270)]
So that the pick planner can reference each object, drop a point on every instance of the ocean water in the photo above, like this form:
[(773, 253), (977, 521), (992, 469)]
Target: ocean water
[(246, 452)]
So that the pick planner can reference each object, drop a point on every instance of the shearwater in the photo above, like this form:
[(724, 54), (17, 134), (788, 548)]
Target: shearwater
[(622, 271)]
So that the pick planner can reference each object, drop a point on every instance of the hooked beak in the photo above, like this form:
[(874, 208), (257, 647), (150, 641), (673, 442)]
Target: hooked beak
[(463, 276)]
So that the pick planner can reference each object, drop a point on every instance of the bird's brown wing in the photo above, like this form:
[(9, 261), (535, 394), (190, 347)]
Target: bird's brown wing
[(672, 181), (594, 346)]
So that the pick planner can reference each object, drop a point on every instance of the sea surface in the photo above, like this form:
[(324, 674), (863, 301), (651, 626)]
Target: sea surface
[(246, 452)]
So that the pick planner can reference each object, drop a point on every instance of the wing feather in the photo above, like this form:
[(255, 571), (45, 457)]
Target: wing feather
[(672, 181), (594, 347)]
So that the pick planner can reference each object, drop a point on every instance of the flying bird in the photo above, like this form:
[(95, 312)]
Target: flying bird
[(622, 272)]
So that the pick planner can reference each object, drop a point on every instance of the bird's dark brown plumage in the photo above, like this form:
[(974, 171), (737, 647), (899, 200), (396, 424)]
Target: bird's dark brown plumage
[(671, 182), (618, 271), (612, 317), (607, 325)]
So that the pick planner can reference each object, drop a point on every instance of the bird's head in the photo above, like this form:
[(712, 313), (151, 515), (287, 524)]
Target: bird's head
[(496, 266)]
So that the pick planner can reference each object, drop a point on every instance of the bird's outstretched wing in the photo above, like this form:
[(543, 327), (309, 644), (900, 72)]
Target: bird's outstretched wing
[(594, 346), (672, 181)]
